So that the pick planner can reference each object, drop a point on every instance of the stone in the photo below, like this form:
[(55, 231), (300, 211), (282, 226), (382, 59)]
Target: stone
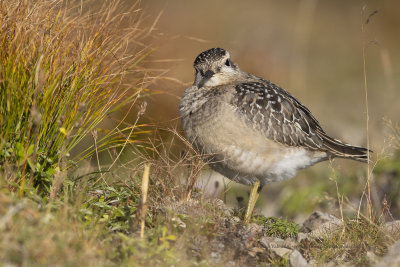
[(392, 258), (297, 260), (319, 225), (325, 229), (318, 218), (281, 252), (275, 242)]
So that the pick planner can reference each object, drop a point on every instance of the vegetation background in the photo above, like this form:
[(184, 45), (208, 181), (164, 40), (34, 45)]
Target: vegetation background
[(89, 96)]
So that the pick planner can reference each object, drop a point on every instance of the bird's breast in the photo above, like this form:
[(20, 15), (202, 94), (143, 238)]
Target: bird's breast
[(217, 130)]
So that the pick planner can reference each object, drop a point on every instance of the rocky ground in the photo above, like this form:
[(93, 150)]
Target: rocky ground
[(183, 232), (321, 239)]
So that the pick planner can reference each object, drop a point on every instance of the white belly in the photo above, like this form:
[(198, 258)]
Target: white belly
[(273, 165)]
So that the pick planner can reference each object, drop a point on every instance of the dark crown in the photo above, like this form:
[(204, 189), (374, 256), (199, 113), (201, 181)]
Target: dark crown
[(210, 55)]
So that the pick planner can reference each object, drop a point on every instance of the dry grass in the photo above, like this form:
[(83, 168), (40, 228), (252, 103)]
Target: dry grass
[(64, 70)]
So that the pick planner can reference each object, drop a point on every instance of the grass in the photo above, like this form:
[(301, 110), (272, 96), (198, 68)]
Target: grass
[(64, 71), (351, 243), (45, 235), (98, 231), (60, 77)]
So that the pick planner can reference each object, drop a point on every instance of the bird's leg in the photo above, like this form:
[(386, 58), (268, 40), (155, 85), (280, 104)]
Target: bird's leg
[(254, 193)]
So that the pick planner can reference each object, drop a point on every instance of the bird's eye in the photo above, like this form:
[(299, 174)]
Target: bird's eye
[(228, 62)]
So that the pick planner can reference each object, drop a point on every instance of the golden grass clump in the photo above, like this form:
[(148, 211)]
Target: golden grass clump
[(62, 67)]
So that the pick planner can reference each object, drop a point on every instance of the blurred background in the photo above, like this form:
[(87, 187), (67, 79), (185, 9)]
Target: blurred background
[(313, 49)]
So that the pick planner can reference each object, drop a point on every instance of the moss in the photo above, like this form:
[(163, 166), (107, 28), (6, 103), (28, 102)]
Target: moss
[(277, 227)]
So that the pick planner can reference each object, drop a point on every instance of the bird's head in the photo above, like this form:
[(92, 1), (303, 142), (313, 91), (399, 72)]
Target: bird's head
[(214, 68)]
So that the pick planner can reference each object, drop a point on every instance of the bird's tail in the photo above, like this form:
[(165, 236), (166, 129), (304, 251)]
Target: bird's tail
[(342, 150)]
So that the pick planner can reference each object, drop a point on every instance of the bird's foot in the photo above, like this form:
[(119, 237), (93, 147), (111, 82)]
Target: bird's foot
[(254, 193)]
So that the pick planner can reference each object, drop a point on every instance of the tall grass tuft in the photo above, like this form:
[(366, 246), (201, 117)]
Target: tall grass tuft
[(62, 68)]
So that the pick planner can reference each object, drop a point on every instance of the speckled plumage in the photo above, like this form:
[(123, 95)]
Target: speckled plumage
[(251, 129)]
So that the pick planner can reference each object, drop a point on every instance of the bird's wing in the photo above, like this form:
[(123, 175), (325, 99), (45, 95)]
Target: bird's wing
[(272, 110), (282, 118)]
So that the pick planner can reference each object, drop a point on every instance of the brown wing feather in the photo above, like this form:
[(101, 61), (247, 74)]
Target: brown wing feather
[(271, 109)]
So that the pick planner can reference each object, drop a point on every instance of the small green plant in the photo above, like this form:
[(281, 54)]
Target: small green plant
[(277, 227), (114, 206)]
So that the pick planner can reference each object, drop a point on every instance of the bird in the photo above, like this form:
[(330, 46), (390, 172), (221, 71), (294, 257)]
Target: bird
[(249, 129)]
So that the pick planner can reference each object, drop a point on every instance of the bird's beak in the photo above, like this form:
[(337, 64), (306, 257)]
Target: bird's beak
[(206, 77)]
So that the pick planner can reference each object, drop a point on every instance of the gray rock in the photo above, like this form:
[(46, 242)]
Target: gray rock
[(297, 260), (319, 225), (318, 218), (275, 242), (325, 229), (392, 258), (281, 252)]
